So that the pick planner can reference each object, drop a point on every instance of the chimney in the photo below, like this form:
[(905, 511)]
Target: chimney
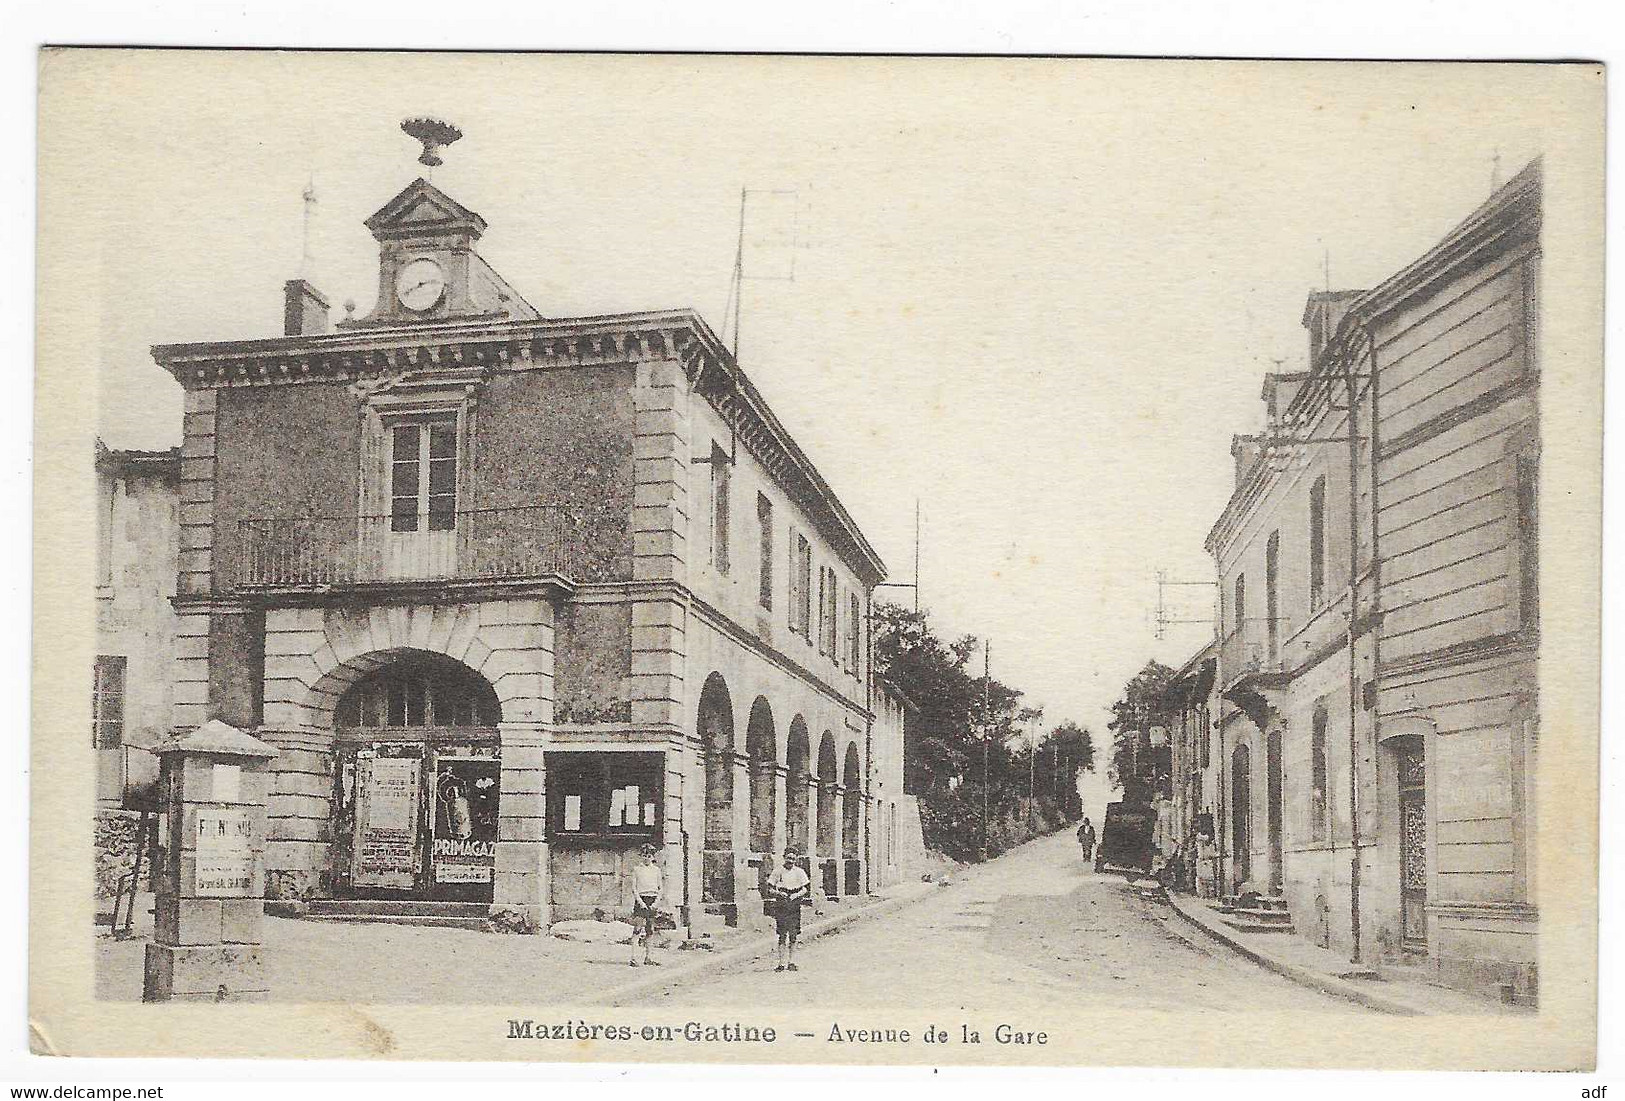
[(1246, 451), (304, 310), (1321, 316)]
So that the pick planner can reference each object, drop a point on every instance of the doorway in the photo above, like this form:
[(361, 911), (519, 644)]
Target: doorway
[(1241, 788), (1413, 852), (1272, 785)]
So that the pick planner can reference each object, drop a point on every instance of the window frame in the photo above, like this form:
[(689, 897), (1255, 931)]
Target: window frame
[(1317, 543), (721, 486), (764, 522), (1320, 802), (108, 692), (426, 429)]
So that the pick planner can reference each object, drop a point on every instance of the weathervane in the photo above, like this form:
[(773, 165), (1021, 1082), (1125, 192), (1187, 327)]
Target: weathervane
[(435, 134)]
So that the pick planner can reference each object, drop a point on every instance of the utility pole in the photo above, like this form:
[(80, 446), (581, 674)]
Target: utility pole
[(987, 732), (1032, 789)]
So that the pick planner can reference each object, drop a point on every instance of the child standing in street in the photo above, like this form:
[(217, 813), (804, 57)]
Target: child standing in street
[(648, 883), (789, 885)]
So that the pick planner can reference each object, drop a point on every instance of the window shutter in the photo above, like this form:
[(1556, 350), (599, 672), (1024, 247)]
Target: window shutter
[(792, 579)]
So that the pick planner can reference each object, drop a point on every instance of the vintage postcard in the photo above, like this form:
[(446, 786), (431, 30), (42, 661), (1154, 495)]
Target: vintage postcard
[(817, 559)]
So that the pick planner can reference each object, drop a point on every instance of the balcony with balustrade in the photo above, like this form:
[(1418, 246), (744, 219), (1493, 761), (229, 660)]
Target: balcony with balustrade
[(505, 548), (1253, 678)]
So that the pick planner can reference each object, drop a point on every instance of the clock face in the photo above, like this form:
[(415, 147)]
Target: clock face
[(420, 284)]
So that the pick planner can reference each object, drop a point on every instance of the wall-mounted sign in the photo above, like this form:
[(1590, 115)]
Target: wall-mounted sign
[(225, 855)]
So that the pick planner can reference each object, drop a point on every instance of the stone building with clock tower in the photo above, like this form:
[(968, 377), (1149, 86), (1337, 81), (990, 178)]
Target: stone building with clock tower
[(513, 595)]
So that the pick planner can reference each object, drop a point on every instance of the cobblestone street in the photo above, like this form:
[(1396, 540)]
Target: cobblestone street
[(1034, 921)]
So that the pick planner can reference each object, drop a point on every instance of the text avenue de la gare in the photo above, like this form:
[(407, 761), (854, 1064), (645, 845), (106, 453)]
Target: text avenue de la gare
[(734, 1032)]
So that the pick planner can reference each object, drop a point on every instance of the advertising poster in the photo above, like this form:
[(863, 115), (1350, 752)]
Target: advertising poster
[(386, 831)]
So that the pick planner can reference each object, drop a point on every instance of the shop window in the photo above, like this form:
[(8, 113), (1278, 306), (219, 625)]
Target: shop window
[(604, 795), (107, 702)]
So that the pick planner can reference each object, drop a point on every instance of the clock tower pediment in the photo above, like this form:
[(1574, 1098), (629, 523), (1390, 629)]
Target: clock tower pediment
[(428, 267)]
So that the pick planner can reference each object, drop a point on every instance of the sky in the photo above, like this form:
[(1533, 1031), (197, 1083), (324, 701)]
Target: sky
[(1037, 297)]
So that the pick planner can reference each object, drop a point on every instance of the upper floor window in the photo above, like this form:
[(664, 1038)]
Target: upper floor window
[(854, 634), (721, 470), (1238, 604), (1528, 540), (800, 585), (764, 521), (1272, 603), (423, 475), (107, 702), (823, 609), (1317, 543)]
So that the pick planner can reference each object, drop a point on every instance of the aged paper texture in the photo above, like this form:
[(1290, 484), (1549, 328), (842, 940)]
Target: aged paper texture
[(774, 559)]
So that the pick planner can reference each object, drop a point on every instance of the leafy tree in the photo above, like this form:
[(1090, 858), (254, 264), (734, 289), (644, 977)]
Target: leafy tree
[(1137, 767), (967, 753)]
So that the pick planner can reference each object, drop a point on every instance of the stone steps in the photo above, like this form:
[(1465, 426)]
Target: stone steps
[(443, 915)]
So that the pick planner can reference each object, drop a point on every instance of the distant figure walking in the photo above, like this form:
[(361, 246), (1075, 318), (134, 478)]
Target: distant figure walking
[(1086, 838)]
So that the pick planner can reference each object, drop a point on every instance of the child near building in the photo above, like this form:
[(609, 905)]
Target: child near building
[(789, 885), (648, 883)]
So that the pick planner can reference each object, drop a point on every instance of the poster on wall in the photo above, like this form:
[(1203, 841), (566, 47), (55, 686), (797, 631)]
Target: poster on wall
[(465, 819), (387, 822), (225, 856)]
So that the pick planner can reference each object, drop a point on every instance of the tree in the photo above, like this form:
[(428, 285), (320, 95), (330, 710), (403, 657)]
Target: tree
[(966, 753), (1137, 767)]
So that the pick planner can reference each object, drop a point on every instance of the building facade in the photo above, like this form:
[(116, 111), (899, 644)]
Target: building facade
[(137, 494), (1379, 612), (513, 596)]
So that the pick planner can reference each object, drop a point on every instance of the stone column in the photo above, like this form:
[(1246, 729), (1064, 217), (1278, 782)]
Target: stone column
[(298, 812), (781, 810), (837, 847), (209, 908), (809, 793), (521, 888)]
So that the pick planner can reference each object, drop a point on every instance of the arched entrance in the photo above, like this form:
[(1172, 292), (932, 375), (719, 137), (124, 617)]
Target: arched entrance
[(798, 759), (851, 819), (762, 750), (828, 779), (1241, 814), (1273, 782), (716, 730), (417, 782)]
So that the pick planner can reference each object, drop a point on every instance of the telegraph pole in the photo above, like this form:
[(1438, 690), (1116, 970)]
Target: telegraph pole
[(987, 732)]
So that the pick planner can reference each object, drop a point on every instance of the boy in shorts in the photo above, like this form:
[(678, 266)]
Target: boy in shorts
[(648, 883), (789, 885)]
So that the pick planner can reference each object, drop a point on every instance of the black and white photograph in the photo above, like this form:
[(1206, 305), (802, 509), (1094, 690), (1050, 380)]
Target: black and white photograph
[(820, 559)]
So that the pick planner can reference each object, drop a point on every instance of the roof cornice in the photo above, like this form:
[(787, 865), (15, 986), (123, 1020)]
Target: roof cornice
[(607, 339)]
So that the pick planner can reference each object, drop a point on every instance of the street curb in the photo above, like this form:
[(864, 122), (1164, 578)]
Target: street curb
[(754, 948), (1303, 976)]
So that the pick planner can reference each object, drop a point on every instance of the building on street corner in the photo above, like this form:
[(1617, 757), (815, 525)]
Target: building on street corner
[(514, 595), (1375, 737)]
